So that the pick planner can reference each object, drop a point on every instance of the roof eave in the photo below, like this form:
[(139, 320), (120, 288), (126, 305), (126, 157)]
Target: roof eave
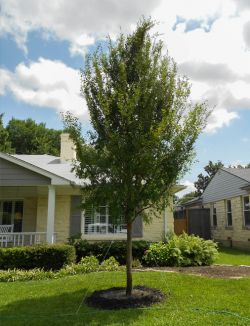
[(55, 180)]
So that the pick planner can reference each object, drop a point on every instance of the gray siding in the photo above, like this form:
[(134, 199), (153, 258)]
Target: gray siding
[(14, 175), (223, 185)]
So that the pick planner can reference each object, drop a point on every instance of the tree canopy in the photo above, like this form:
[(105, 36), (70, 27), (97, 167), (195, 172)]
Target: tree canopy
[(5, 144), (28, 137), (204, 179), (186, 198), (144, 127)]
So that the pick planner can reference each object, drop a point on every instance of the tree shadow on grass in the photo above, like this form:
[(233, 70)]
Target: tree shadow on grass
[(64, 309)]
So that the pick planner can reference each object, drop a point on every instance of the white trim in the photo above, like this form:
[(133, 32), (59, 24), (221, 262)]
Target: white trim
[(243, 210), (98, 228), (212, 207), (51, 214), (228, 212)]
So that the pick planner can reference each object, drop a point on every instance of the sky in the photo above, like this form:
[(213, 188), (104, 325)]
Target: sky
[(43, 45)]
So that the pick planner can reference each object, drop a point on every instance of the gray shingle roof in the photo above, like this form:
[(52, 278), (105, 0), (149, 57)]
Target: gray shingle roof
[(52, 164), (241, 173)]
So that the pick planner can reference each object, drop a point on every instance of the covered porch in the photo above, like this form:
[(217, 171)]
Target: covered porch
[(33, 215)]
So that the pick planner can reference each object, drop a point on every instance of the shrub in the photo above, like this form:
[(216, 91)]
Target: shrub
[(110, 264), (87, 265), (104, 249), (183, 250), (14, 275), (47, 257)]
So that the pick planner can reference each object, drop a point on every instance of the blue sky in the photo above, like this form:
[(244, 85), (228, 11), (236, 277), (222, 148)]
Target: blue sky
[(43, 45)]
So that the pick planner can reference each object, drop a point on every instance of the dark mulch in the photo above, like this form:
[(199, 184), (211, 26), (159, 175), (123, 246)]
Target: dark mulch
[(214, 271), (115, 298)]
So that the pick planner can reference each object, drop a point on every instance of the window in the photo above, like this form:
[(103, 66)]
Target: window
[(229, 213), (100, 222), (214, 215), (246, 210), (11, 212)]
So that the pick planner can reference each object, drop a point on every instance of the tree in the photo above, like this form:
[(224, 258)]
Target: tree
[(186, 198), (203, 180), (144, 128), (239, 166), (28, 137), (5, 144)]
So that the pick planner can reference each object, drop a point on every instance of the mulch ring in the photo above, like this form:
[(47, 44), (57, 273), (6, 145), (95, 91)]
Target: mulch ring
[(214, 271), (115, 298)]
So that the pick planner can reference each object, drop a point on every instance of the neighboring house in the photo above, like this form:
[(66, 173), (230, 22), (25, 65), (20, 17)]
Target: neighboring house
[(40, 198), (193, 203), (228, 198), (192, 218)]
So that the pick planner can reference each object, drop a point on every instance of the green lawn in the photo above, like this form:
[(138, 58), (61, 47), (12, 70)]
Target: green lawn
[(233, 257), (191, 300)]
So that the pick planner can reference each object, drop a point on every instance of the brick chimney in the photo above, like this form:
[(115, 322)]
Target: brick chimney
[(67, 148)]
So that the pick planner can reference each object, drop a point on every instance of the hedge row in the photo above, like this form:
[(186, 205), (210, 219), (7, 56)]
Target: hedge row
[(106, 249), (86, 265), (47, 257)]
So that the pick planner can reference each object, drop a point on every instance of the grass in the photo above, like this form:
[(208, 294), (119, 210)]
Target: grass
[(232, 256), (190, 300)]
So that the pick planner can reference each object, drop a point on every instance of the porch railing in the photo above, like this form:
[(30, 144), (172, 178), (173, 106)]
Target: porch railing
[(14, 239)]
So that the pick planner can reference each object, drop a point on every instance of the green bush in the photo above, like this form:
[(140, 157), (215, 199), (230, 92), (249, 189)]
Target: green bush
[(105, 249), (87, 265), (110, 264), (47, 257), (183, 250)]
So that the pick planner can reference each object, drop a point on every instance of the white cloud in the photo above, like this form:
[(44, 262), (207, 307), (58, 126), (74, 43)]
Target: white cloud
[(217, 62), (5, 77), (46, 83), (77, 21), (214, 54), (189, 188), (220, 118), (208, 72)]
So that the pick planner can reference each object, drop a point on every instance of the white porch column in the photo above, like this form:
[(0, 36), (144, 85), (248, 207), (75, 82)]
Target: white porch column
[(51, 214)]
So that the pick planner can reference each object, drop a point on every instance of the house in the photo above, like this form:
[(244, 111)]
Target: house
[(228, 198), (40, 198)]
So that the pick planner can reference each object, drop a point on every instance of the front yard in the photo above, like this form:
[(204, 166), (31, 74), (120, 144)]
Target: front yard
[(190, 300), (232, 256)]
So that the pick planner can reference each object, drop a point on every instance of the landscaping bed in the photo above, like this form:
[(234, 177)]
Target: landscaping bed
[(214, 271), (115, 298)]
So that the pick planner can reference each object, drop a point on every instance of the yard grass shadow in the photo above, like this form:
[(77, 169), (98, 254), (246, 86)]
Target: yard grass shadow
[(62, 310)]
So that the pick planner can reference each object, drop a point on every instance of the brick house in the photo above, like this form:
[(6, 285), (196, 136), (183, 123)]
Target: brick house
[(228, 197), (40, 198)]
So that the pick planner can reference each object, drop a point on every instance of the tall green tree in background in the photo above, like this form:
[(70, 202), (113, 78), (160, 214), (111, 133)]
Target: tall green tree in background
[(29, 137), (5, 144), (144, 128), (204, 179)]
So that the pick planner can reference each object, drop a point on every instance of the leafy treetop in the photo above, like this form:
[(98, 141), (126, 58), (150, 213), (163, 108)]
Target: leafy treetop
[(144, 128), (144, 125), (204, 179)]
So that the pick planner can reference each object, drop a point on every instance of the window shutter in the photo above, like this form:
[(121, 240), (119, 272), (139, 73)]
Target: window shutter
[(137, 227), (75, 215)]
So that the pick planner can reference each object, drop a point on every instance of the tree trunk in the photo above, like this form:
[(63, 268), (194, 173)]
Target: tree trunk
[(129, 259)]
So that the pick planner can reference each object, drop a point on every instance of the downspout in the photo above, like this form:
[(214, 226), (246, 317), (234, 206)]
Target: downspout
[(165, 222)]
